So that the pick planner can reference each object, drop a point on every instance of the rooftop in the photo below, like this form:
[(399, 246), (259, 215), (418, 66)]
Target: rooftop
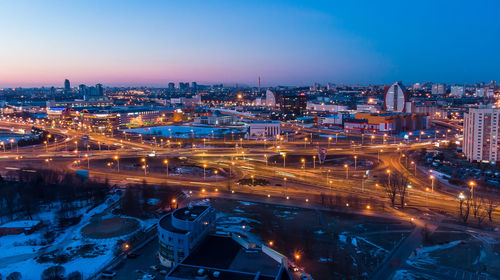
[(166, 223), (229, 258), (190, 213)]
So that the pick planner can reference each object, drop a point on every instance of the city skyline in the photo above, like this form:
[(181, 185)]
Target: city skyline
[(286, 43)]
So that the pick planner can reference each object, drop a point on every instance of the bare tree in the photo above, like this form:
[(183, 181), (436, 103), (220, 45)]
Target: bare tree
[(491, 206), (394, 185), (465, 205), (402, 185), (390, 189)]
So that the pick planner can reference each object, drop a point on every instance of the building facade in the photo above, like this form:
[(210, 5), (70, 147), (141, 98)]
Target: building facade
[(481, 133), (181, 230), (263, 129)]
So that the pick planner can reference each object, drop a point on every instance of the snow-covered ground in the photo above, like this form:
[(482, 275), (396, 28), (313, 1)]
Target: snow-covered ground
[(19, 253)]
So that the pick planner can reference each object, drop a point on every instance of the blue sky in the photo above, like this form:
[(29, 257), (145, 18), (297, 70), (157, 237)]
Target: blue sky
[(211, 41)]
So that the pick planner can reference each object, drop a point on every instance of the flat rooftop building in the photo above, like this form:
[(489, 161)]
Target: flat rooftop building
[(229, 258)]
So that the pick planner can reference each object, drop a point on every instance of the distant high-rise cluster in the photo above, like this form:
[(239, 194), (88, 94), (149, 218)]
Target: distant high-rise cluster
[(438, 89)]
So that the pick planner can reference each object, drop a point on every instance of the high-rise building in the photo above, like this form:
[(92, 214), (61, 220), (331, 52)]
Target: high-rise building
[(395, 98), (457, 91), (67, 87), (481, 133), (292, 104), (99, 90), (194, 85), (438, 89), (270, 98), (171, 86), (183, 86)]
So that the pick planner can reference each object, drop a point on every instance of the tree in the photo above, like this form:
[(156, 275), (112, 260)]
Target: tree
[(14, 276), (491, 206), (75, 275), (465, 204), (402, 183), (53, 273)]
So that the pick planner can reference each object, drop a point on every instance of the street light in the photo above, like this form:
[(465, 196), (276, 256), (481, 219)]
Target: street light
[(355, 162), (347, 171), (314, 162), (118, 162), (303, 163), (388, 171), (432, 177), (305, 142), (144, 166), (166, 162), (284, 160), (329, 140), (472, 184), (204, 169), (88, 161)]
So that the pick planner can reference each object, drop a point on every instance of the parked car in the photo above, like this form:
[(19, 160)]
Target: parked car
[(107, 274)]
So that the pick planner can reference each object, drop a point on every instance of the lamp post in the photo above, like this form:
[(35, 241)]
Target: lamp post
[(305, 142), (143, 160), (265, 158), (346, 171), (314, 162), (284, 183), (378, 154), (204, 169), (303, 163), (415, 167), (3, 145), (118, 162), (388, 171), (88, 161), (329, 140), (355, 162), (284, 160), (166, 162), (409, 190), (432, 177), (472, 184)]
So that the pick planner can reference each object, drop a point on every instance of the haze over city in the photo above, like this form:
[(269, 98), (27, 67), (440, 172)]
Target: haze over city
[(285, 42)]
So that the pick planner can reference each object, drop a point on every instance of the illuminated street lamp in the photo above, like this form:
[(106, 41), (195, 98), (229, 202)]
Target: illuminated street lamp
[(118, 162), (303, 163), (265, 158), (432, 177), (284, 160), (3, 145), (388, 171), (253, 182), (355, 162), (409, 187), (305, 142), (143, 160), (472, 184), (88, 161), (347, 171), (371, 139), (314, 162), (284, 183), (378, 154), (166, 162), (204, 169), (329, 140)]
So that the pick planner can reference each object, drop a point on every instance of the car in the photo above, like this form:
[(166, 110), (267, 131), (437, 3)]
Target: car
[(107, 274), (293, 267), (154, 267), (132, 256)]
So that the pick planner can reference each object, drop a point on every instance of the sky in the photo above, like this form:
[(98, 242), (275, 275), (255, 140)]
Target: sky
[(153, 42)]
